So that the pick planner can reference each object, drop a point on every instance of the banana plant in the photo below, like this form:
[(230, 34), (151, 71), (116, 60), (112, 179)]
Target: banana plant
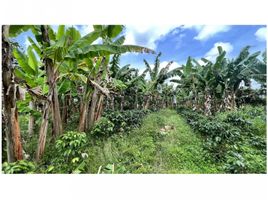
[(11, 94), (157, 77)]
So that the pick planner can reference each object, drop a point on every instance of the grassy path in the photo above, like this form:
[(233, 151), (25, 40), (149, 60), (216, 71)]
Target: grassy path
[(163, 144)]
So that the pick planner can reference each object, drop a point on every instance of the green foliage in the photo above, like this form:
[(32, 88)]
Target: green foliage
[(143, 150), (126, 120), (68, 152), (235, 138), (104, 127), (70, 143), (19, 167)]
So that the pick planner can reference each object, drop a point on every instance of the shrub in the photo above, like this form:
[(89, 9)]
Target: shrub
[(69, 153), (238, 120), (235, 138), (104, 127), (126, 120), (19, 167)]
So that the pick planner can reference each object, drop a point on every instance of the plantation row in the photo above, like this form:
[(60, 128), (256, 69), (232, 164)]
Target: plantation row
[(65, 97), (231, 142)]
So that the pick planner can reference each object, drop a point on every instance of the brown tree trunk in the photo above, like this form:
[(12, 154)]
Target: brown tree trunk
[(147, 102), (64, 111), (233, 98), (66, 107), (227, 105), (136, 106), (43, 128), (112, 102), (83, 116), (207, 104), (99, 107), (12, 128), (122, 102), (92, 108), (51, 77), (31, 119)]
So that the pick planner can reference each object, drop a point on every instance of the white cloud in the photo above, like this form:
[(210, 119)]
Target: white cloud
[(145, 35), (201, 62), (213, 52), (208, 31), (196, 27), (261, 34)]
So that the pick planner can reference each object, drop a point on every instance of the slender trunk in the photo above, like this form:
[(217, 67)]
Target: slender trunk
[(84, 112), (233, 98), (122, 102), (31, 119), (64, 110), (51, 102), (92, 108), (227, 101), (51, 77), (99, 107), (147, 103), (83, 116), (136, 106), (112, 102), (66, 107), (207, 103), (81, 104), (12, 128), (43, 128)]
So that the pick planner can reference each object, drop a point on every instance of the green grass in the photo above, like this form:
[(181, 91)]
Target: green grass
[(148, 150)]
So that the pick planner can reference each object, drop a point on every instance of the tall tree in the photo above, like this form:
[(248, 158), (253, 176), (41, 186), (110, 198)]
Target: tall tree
[(52, 74), (10, 90), (157, 77)]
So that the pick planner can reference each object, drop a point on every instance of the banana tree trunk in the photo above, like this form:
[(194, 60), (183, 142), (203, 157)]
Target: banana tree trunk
[(55, 106), (112, 102), (136, 106), (31, 119), (64, 110), (207, 104), (122, 102), (147, 102), (51, 77), (92, 108), (99, 107), (233, 102), (227, 102), (43, 128), (83, 116), (12, 128)]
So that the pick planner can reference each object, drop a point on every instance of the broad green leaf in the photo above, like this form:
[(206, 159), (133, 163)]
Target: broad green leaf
[(72, 35), (15, 30), (97, 50), (120, 40), (23, 62), (60, 33), (51, 34), (19, 73), (189, 66), (35, 46), (114, 30), (32, 61), (85, 41), (81, 77), (64, 87)]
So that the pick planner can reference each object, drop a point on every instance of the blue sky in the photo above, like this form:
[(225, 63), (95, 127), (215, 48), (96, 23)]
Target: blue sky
[(177, 42)]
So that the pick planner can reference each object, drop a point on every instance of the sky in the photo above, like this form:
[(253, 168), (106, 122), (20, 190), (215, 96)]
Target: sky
[(177, 42)]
